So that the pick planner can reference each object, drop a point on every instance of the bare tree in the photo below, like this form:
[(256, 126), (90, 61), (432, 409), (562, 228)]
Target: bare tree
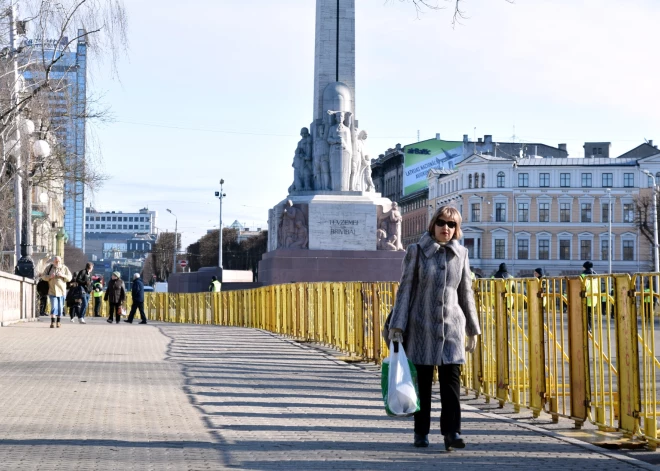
[(74, 258), (644, 216), (459, 14)]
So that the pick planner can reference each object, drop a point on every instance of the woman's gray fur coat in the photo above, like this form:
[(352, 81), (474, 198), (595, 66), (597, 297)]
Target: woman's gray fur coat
[(442, 310)]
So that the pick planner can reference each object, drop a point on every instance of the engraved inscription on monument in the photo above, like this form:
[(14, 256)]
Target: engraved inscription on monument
[(342, 227)]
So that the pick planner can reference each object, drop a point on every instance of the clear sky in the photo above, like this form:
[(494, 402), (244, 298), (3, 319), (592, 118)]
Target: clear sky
[(216, 89)]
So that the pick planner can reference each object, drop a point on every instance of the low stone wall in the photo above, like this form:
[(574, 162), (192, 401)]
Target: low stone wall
[(18, 299)]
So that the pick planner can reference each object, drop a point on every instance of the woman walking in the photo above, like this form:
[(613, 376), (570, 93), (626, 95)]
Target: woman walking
[(57, 275), (115, 294), (433, 313)]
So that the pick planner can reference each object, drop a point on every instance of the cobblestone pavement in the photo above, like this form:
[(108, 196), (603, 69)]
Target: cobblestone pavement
[(183, 397)]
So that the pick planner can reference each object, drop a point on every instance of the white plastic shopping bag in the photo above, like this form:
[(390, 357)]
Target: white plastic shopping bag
[(399, 383)]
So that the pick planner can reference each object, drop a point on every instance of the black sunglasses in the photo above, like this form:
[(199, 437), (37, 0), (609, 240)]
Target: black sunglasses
[(442, 223)]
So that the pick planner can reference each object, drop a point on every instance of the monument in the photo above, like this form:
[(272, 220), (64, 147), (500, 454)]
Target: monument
[(333, 226)]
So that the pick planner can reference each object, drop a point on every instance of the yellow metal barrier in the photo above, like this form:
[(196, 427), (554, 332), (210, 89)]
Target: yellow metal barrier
[(536, 350)]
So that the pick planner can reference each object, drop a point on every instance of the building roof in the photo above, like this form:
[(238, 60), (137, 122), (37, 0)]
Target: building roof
[(579, 161), (641, 151)]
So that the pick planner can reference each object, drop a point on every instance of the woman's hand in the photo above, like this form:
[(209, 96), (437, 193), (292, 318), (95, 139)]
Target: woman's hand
[(470, 343), (396, 335)]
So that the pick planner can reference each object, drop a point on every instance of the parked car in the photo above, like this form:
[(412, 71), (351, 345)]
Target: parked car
[(148, 289)]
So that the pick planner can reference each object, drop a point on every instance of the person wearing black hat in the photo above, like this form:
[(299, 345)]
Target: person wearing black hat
[(214, 287), (502, 272)]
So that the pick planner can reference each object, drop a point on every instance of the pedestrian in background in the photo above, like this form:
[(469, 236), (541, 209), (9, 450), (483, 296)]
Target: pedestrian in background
[(97, 291), (214, 287), (137, 294), (502, 272), (433, 327), (115, 294), (77, 295), (57, 275), (42, 292), (84, 280)]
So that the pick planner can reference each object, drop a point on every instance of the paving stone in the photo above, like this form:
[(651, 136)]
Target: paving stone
[(188, 397)]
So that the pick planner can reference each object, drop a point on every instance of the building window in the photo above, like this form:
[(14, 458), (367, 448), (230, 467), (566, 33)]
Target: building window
[(523, 249), (608, 180), (605, 212), (586, 180), (500, 180), (585, 250), (628, 250), (564, 212), (102, 218), (500, 248), (86, 226), (628, 213), (544, 180), (604, 247), (523, 212), (102, 226), (544, 212), (97, 226), (564, 250), (585, 212), (500, 212), (470, 181), (130, 219), (628, 180), (98, 218), (114, 226), (564, 180), (476, 210), (544, 249), (483, 180), (523, 179)]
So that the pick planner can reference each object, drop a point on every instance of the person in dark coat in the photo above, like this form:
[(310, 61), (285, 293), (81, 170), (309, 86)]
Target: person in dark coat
[(115, 294), (502, 272), (137, 293), (437, 320), (42, 291), (538, 273), (84, 280)]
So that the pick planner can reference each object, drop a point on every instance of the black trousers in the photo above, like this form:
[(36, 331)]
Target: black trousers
[(135, 307), (42, 305), (97, 306), (114, 311), (450, 392)]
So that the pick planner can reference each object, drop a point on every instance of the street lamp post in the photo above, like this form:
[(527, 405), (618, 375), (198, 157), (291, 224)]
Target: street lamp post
[(176, 226), (220, 195), (609, 231), (513, 221), (656, 262)]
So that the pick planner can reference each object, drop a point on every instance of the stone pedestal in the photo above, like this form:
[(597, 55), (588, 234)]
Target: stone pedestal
[(342, 241), (287, 266)]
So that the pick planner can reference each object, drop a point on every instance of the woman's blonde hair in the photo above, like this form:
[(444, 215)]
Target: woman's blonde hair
[(448, 213)]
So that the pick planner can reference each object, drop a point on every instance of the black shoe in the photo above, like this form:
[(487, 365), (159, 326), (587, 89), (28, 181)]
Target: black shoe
[(110, 321), (453, 440), (130, 322), (421, 441), (143, 322)]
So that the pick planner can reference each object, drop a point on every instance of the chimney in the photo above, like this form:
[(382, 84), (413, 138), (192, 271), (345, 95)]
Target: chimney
[(488, 138), (651, 142), (479, 140), (437, 136), (562, 147), (465, 138)]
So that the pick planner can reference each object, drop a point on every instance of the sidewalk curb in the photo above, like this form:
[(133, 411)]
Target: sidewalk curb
[(558, 436)]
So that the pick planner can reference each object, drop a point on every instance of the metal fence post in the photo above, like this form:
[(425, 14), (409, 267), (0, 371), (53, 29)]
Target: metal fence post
[(537, 352), (627, 355), (502, 342)]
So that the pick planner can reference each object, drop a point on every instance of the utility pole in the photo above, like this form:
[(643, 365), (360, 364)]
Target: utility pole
[(176, 228), (16, 151), (609, 231), (220, 195), (656, 262)]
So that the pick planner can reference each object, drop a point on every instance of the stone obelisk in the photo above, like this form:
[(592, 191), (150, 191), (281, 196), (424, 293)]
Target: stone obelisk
[(335, 49), (333, 226)]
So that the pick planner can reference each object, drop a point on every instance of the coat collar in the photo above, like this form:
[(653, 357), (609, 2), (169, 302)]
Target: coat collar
[(429, 246)]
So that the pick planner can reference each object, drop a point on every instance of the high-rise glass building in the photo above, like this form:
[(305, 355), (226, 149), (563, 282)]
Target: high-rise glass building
[(67, 104)]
